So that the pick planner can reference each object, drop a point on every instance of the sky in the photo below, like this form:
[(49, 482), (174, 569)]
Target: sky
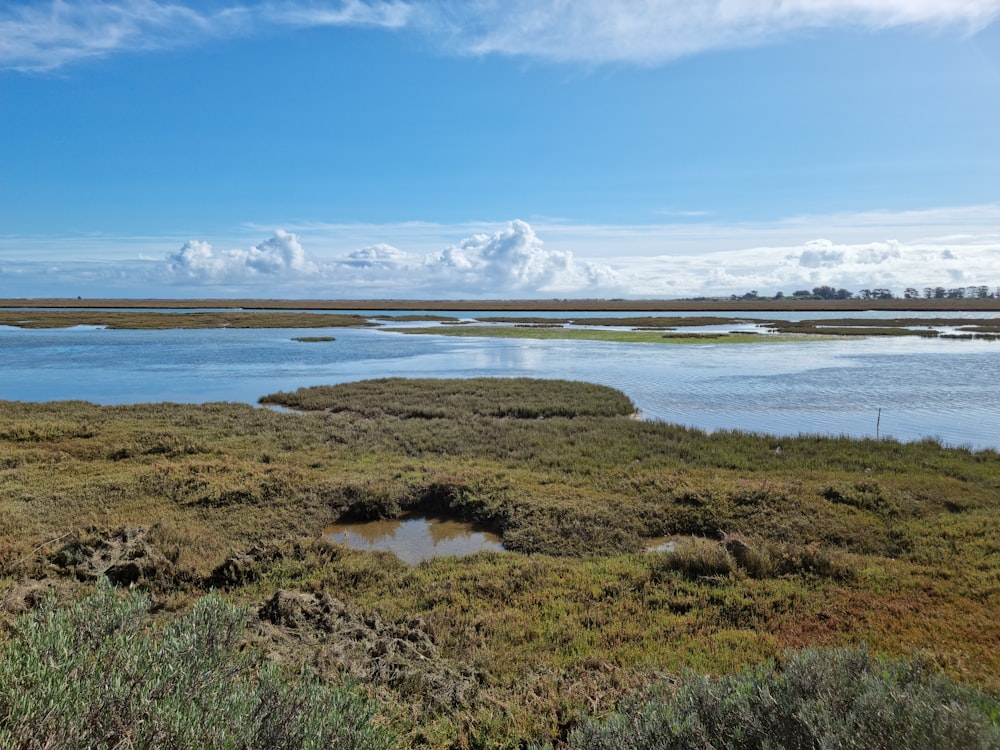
[(428, 149)]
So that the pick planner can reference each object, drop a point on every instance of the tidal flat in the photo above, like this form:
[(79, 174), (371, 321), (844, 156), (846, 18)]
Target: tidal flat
[(699, 324), (779, 543)]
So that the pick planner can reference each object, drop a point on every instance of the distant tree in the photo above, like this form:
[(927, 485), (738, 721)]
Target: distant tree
[(881, 294), (779, 295), (801, 293), (865, 293), (940, 292), (844, 294), (910, 293), (825, 292)]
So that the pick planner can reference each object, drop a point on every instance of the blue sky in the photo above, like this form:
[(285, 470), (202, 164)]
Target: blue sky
[(430, 148)]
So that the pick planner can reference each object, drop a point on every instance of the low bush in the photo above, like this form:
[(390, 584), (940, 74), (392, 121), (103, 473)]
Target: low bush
[(837, 698), (695, 558), (97, 674)]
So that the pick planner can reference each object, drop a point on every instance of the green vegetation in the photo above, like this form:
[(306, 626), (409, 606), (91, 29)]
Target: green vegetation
[(519, 398), (650, 329), (163, 320), (313, 339), (635, 329), (582, 334), (923, 327), (829, 542), (95, 674), (803, 300), (646, 321), (815, 698)]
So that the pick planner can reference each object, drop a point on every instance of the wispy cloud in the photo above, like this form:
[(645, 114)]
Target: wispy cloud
[(45, 36), (40, 36), (654, 31)]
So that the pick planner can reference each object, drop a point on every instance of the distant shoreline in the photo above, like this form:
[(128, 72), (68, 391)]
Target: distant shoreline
[(547, 305)]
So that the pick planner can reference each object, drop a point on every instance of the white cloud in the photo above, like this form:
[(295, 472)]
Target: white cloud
[(390, 15), (653, 31), (39, 36), (885, 264), (278, 256), (381, 255), (513, 260), (46, 36), (509, 261), (947, 247)]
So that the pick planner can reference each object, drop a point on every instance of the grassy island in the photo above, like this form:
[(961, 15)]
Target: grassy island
[(866, 570), (647, 328)]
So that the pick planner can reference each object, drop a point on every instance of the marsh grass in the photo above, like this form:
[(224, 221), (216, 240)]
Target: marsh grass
[(520, 398), (651, 322), (582, 334), (740, 306), (830, 542), (163, 320)]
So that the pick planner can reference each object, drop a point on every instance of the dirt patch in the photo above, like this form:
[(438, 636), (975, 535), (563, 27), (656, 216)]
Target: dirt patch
[(125, 557), (27, 594), (401, 656), (244, 567)]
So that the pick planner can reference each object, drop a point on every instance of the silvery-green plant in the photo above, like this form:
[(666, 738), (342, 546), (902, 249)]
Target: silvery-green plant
[(97, 674)]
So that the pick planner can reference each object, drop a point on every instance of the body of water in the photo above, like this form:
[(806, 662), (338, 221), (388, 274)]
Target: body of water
[(415, 538), (949, 390)]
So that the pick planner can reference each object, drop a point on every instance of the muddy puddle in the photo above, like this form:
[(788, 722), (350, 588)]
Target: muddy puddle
[(415, 538), (661, 544)]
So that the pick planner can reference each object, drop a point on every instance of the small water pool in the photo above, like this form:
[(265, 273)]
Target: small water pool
[(415, 538)]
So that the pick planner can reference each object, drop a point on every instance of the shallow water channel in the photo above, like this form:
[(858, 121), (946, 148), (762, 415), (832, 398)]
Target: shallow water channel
[(415, 538), (888, 386)]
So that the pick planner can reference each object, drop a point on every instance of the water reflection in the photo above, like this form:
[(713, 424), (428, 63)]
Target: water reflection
[(414, 538), (660, 544), (915, 387)]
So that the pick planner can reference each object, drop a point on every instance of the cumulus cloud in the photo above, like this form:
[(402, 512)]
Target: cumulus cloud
[(886, 264), (44, 36), (508, 261), (279, 256), (937, 247), (514, 259), (381, 255), (825, 254)]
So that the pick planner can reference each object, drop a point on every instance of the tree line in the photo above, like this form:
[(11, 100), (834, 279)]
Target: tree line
[(937, 292)]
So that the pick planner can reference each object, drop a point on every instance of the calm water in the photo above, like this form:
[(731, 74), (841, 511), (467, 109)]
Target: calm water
[(414, 538), (924, 388)]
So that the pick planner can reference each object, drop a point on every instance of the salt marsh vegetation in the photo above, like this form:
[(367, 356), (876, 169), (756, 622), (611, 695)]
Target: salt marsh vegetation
[(827, 543)]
